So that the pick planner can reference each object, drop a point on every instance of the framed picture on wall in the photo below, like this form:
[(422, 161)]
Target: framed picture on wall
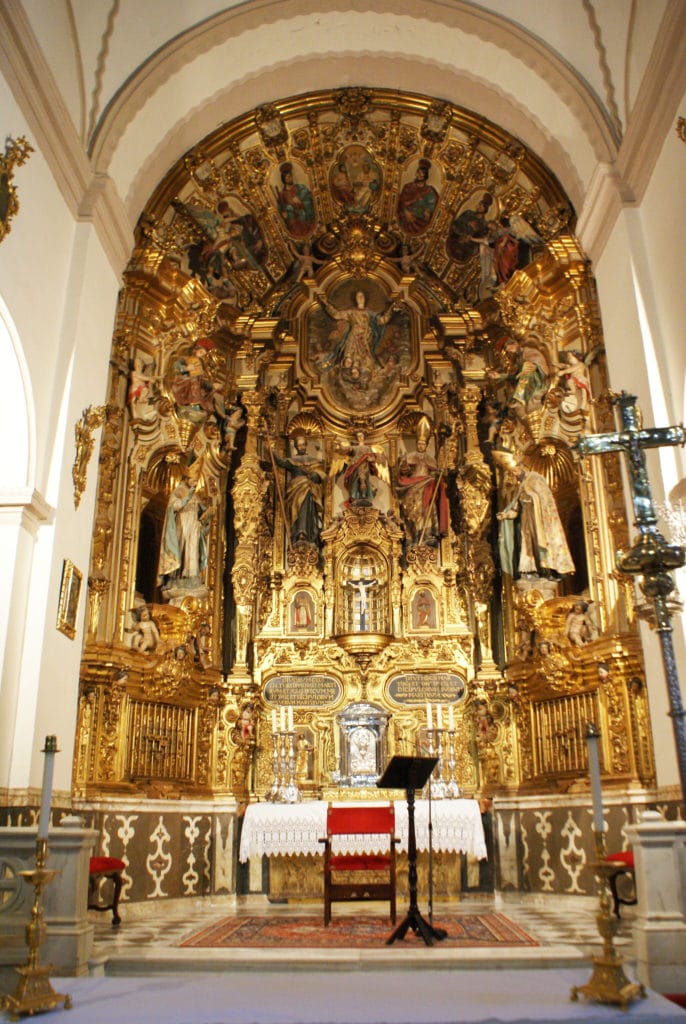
[(70, 591)]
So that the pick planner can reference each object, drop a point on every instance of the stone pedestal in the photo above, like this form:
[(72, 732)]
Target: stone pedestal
[(659, 848), (69, 940)]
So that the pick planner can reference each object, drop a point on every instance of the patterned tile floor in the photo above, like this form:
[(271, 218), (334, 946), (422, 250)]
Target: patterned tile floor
[(150, 934)]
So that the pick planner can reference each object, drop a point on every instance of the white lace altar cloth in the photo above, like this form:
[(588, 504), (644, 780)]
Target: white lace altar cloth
[(286, 829)]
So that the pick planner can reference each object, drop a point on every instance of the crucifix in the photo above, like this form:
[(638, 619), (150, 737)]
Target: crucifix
[(651, 557)]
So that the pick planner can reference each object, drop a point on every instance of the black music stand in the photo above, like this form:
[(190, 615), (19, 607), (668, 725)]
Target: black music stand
[(411, 773)]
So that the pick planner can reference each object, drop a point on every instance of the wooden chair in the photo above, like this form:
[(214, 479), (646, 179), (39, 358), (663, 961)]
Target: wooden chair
[(624, 862), (352, 821), (110, 868)]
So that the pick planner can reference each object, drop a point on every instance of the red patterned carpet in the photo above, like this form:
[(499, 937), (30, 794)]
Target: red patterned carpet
[(488, 929)]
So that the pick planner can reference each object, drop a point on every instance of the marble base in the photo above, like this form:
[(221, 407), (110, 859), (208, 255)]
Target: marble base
[(69, 941), (659, 931)]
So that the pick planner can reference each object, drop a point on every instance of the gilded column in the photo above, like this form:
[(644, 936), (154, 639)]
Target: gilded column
[(249, 491)]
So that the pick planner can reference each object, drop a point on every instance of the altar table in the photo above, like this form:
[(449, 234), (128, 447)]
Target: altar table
[(294, 829)]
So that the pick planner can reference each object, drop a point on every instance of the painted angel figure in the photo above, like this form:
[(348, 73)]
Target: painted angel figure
[(360, 463)]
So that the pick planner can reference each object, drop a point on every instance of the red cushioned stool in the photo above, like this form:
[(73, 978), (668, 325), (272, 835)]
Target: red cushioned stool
[(110, 868), (624, 862)]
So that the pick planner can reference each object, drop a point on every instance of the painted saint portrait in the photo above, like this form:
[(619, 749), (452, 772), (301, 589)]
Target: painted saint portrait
[(302, 613), (417, 201), (294, 201), (423, 610), (355, 179)]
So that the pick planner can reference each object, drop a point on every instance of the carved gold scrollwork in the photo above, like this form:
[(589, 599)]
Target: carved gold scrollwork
[(16, 153)]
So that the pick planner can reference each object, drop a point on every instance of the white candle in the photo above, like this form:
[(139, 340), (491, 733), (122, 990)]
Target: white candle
[(282, 718), (46, 792), (429, 720), (439, 716), (273, 719), (290, 719), (451, 718), (592, 737)]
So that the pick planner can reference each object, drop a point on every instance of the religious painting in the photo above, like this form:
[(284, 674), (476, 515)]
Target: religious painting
[(302, 614), (423, 610), (231, 244), (70, 590), (359, 344), (355, 179), (294, 200), (472, 229), (418, 200)]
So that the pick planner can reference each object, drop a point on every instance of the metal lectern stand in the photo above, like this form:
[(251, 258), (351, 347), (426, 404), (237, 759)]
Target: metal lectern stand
[(411, 773)]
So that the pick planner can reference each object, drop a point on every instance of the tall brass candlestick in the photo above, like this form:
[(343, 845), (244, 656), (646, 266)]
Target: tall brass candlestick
[(34, 993), (608, 983)]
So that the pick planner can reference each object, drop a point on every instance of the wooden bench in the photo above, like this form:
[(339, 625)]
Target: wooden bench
[(624, 862), (359, 821), (98, 869)]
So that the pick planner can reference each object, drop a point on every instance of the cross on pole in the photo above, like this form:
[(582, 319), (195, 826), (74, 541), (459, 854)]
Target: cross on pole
[(651, 557)]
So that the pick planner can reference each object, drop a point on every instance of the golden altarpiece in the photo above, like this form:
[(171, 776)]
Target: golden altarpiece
[(355, 346)]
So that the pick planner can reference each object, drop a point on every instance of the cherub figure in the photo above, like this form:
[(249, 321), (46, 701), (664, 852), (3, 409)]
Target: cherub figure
[(579, 626), (305, 260), (146, 637)]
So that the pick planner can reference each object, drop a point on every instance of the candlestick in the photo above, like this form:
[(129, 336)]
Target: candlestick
[(429, 720), (592, 736), (451, 717), (50, 749), (273, 719), (290, 719), (439, 716), (282, 718)]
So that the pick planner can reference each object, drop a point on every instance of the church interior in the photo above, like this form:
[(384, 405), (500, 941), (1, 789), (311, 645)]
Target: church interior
[(347, 434)]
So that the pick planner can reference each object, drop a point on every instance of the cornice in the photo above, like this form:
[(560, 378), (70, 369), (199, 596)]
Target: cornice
[(623, 182), (34, 88), (453, 14)]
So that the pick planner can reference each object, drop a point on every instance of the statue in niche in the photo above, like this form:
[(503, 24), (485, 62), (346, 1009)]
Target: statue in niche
[(579, 626), (304, 493), (422, 493), (361, 463), (140, 394), (361, 588), (183, 555), (541, 547)]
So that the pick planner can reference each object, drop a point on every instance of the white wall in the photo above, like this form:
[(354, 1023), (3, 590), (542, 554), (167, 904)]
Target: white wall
[(59, 295)]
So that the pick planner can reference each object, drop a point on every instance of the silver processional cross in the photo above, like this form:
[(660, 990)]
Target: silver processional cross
[(651, 557)]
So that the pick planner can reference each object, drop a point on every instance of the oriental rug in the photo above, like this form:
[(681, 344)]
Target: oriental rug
[(465, 930)]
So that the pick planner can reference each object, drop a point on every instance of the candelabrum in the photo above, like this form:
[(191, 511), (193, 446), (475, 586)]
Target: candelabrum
[(452, 787), (436, 781), (284, 789), (34, 992), (608, 983)]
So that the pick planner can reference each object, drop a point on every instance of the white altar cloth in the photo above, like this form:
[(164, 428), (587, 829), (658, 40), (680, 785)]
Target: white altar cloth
[(286, 829)]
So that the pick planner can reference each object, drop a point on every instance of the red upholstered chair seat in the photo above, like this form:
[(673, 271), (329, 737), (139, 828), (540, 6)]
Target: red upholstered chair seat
[(352, 821), (624, 866), (105, 867), (626, 858)]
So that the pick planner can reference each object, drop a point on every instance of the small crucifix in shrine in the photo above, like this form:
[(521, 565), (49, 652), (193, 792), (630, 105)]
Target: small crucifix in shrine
[(652, 557)]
